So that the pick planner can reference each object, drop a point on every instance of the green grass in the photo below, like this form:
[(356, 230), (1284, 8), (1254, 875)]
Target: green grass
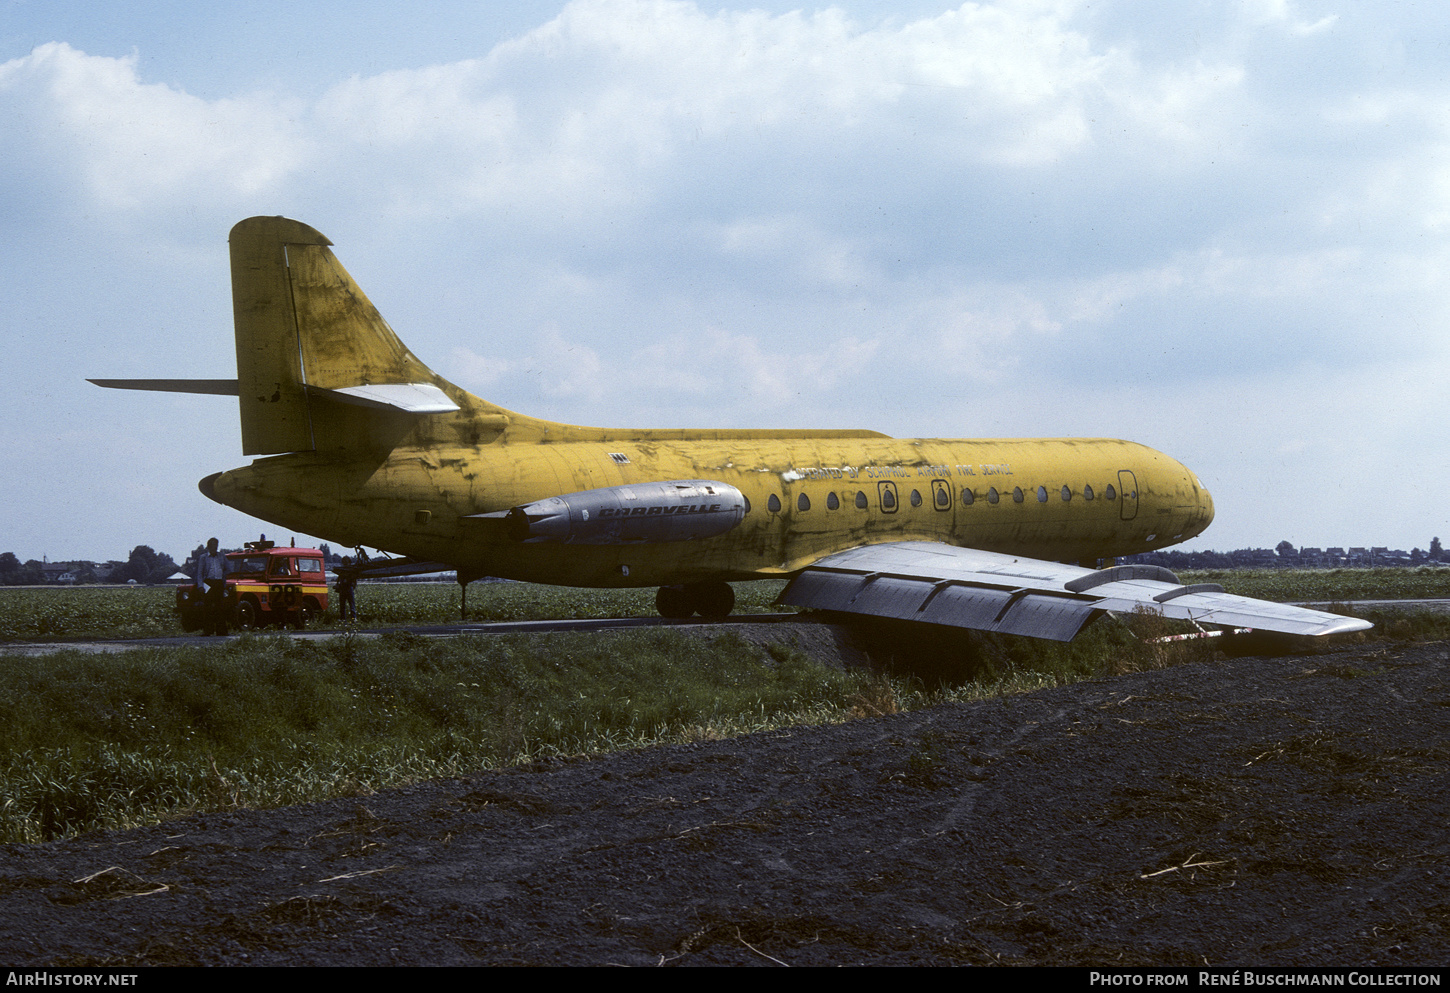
[(1328, 585)]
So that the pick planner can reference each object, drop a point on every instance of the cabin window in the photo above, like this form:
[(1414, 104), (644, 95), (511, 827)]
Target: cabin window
[(1110, 494), (915, 498), (1087, 492), (773, 503), (1042, 494), (1066, 494), (803, 502), (860, 499), (888, 497), (941, 494), (832, 502), (992, 495), (1017, 494), (968, 497)]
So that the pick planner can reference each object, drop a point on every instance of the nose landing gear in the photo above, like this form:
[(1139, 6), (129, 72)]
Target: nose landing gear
[(712, 601)]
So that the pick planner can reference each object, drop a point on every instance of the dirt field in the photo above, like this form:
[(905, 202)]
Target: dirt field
[(1282, 811)]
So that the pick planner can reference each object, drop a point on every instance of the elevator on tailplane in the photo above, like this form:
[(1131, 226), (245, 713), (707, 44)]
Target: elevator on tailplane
[(361, 443)]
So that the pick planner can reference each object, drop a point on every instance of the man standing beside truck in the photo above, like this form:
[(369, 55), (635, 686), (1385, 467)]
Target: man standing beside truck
[(211, 578), (347, 589)]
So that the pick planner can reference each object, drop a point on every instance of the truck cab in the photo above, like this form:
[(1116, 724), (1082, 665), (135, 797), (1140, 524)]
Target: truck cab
[(266, 584)]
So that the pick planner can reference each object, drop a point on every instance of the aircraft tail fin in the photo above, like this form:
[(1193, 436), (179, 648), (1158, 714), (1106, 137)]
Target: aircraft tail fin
[(306, 334), (318, 369)]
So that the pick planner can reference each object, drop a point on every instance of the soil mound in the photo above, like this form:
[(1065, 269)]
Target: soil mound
[(1251, 812)]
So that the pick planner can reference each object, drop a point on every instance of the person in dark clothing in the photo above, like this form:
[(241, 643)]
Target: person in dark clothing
[(346, 590), (211, 578)]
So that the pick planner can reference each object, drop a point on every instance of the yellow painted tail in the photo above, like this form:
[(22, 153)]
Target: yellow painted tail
[(317, 366)]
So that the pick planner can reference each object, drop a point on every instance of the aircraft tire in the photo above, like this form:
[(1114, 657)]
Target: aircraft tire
[(712, 601), (674, 602)]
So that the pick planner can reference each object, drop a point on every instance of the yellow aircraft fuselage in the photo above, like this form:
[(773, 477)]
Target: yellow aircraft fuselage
[(1056, 499)]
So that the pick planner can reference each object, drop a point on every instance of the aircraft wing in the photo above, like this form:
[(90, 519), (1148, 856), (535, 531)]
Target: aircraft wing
[(989, 591)]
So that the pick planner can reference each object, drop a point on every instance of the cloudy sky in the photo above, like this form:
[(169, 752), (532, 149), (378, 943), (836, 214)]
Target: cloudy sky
[(1217, 228)]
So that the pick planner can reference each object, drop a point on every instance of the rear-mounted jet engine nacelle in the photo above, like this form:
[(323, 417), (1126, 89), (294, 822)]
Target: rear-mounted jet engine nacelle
[(677, 510)]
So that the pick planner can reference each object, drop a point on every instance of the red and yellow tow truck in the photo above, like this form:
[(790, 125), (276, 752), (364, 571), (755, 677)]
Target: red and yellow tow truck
[(265, 585)]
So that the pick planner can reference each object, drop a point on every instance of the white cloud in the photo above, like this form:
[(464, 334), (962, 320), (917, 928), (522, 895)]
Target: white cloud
[(1033, 214), (132, 144)]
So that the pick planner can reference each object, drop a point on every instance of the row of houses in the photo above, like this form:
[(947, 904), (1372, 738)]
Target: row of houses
[(1286, 556), (77, 572)]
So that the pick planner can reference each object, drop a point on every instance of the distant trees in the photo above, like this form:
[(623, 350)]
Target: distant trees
[(146, 565), (12, 573)]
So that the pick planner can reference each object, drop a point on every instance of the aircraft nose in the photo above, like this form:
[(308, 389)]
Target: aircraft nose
[(1205, 503)]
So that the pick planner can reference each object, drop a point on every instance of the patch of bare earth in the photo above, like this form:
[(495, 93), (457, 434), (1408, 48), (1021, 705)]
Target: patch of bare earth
[(1249, 812)]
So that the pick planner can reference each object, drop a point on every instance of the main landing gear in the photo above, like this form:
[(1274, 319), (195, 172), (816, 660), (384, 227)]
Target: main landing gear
[(712, 601)]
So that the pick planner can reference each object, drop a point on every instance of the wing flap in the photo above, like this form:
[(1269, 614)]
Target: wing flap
[(988, 591), (953, 602)]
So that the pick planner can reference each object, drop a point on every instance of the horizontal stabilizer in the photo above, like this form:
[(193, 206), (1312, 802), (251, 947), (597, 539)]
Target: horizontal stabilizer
[(217, 387), (411, 398), (988, 591)]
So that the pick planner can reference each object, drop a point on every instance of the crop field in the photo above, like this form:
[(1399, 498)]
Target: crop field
[(1329, 585), (76, 612), (49, 614)]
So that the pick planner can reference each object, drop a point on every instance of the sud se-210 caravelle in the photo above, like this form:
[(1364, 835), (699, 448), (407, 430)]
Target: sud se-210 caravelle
[(365, 445)]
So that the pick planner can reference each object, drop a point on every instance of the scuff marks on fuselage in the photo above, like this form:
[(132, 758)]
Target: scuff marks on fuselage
[(1052, 501)]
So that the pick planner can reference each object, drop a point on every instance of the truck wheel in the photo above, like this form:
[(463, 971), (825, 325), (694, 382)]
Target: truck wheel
[(247, 616)]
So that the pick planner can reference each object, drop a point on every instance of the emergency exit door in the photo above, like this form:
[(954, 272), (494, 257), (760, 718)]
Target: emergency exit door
[(1128, 488)]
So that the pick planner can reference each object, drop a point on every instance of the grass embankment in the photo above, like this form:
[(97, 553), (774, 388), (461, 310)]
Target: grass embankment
[(103, 741), (112, 741)]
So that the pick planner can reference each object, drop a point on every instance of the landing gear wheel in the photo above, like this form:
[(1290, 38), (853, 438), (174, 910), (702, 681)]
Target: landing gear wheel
[(674, 602), (712, 601)]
